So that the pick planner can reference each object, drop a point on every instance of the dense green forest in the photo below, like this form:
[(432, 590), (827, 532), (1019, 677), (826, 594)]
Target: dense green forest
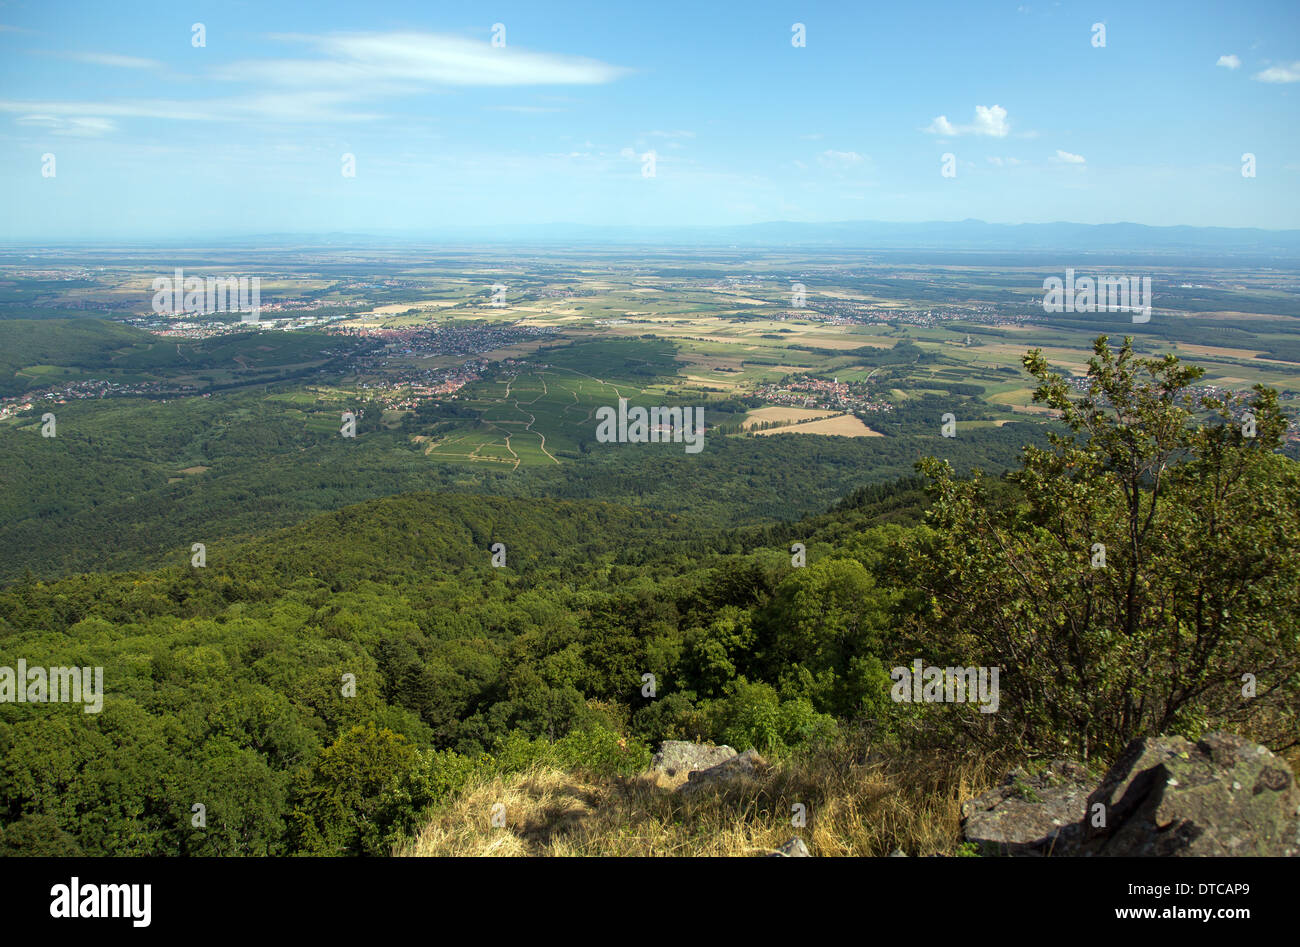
[(112, 491), (318, 689)]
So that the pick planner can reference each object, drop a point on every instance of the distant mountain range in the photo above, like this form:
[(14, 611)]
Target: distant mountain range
[(962, 235), (936, 235)]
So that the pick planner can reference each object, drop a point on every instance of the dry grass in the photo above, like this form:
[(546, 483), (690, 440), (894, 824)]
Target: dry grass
[(844, 425), (854, 807)]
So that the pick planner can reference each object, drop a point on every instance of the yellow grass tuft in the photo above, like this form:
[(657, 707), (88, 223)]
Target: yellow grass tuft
[(854, 807)]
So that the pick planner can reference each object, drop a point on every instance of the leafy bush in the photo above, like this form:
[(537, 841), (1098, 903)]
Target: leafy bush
[(1151, 570)]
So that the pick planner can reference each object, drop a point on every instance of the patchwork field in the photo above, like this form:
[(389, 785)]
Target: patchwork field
[(762, 415), (516, 384), (844, 425)]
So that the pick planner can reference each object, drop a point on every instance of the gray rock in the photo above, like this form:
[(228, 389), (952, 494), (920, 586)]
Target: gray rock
[(1164, 796), (681, 756), (747, 765), (795, 848), (1222, 795), (1029, 815)]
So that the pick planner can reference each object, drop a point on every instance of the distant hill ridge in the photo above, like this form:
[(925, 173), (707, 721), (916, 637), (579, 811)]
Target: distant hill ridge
[(958, 235), (967, 235)]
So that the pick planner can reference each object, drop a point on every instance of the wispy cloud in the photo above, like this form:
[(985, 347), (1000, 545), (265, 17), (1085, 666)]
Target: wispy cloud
[(839, 160), (525, 109), (362, 59), (1229, 61), (989, 120), (113, 60), (77, 126), (1283, 73), (1065, 157), (351, 74), (276, 107)]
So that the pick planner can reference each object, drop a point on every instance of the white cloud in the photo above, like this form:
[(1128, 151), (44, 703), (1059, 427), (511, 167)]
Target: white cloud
[(139, 108), (362, 59), (526, 109), (80, 127), (1003, 162), (1066, 157), (354, 68), (1229, 61), (839, 160), (1283, 73), (114, 60), (990, 120), (941, 126), (277, 107)]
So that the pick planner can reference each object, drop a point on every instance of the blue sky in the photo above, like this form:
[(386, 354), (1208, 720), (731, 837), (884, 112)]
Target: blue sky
[(154, 137)]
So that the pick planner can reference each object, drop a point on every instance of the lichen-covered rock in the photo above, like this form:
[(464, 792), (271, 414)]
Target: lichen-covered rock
[(1222, 795), (676, 757), (1030, 814), (747, 765), (1164, 796)]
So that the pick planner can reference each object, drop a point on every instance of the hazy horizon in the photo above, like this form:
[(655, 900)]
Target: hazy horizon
[(146, 123)]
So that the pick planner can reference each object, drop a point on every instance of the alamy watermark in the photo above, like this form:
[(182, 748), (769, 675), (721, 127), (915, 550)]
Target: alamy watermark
[(78, 899), (178, 294), (651, 426), (54, 685), (1102, 294), (950, 685)]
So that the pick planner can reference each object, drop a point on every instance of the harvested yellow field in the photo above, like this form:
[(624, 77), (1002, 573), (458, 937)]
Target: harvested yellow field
[(844, 425), (393, 309), (712, 382), (739, 298), (778, 413), (1072, 359), (1216, 350), (836, 341)]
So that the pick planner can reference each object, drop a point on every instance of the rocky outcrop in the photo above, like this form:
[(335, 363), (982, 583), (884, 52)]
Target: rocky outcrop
[(1219, 796), (677, 757), (747, 765), (1029, 814), (795, 848), (704, 765), (1164, 796)]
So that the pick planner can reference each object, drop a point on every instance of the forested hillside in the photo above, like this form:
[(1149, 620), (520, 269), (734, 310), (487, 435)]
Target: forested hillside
[(131, 483), (325, 688), (225, 683)]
